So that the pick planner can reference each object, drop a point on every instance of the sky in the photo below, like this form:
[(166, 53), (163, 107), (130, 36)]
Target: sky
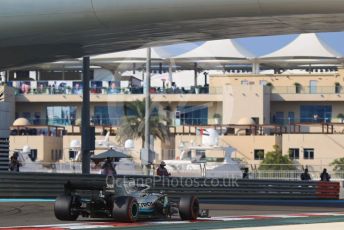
[(267, 44)]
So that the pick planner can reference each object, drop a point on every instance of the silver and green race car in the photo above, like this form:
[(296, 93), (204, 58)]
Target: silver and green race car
[(125, 203)]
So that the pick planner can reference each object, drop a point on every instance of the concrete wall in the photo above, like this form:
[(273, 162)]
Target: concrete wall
[(326, 147), (118, 97), (278, 80), (7, 110), (44, 145), (246, 145), (245, 101)]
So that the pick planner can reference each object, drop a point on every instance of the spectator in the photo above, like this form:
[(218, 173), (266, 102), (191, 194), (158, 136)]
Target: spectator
[(162, 171), (108, 168), (53, 88), (305, 175), (25, 88), (324, 176), (174, 87), (245, 174), (14, 163), (113, 88), (40, 89), (94, 89), (72, 119), (77, 89), (11, 165)]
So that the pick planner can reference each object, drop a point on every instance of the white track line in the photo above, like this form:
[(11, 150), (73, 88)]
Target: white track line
[(86, 225)]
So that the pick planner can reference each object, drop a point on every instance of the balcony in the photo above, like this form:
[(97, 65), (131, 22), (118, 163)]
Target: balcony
[(307, 93), (68, 94)]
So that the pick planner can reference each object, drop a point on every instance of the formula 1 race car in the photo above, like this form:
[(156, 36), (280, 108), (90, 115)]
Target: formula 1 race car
[(125, 203)]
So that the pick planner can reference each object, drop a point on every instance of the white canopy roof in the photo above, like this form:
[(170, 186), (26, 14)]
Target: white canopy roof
[(218, 49), (139, 54), (303, 47)]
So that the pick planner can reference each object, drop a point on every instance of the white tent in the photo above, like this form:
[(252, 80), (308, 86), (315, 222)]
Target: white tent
[(218, 49), (131, 55), (216, 52), (305, 46), (125, 60)]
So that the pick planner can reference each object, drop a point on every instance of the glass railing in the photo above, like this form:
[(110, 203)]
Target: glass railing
[(67, 90), (305, 120), (98, 120), (192, 122), (307, 90)]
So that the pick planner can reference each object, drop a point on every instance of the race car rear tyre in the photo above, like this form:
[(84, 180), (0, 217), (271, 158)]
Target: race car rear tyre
[(188, 208), (125, 208), (63, 208)]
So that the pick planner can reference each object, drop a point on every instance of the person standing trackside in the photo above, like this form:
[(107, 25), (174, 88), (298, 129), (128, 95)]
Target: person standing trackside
[(324, 176), (162, 171), (14, 163), (245, 174), (108, 168), (305, 175)]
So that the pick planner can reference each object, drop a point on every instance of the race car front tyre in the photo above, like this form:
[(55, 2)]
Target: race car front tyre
[(63, 208), (188, 208), (125, 209)]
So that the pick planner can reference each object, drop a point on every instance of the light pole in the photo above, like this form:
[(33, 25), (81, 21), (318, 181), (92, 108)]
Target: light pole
[(85, 117), (147, 108)]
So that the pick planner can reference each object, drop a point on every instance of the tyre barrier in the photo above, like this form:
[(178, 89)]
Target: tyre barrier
[(50, 185)]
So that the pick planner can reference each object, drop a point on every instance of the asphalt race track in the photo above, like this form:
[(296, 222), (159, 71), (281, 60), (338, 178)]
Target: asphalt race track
[(258, 214)]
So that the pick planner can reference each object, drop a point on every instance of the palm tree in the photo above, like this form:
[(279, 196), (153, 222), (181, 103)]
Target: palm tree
[(338, 164), (133, 123), (274, 160)]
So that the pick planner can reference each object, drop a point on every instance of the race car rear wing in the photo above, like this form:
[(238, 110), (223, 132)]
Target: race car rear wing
[(70, 186)]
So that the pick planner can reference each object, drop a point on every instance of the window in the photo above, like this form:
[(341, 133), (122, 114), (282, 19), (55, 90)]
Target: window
[(308, 154), (200, 155), (244, 82), (61, 115), (60, 154), (259, 154), (56, 155), (313, 86), (72, 154), (294, 153), (193, 115), (33, 154), (315, 113), (37, 118), (27, 115), (291, 117), (279, 118), (108, 115)]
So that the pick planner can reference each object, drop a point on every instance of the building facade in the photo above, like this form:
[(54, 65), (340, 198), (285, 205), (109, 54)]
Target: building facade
[(302, 114)]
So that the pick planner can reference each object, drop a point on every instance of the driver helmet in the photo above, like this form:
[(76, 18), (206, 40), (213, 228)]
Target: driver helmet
[(163, 163)]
